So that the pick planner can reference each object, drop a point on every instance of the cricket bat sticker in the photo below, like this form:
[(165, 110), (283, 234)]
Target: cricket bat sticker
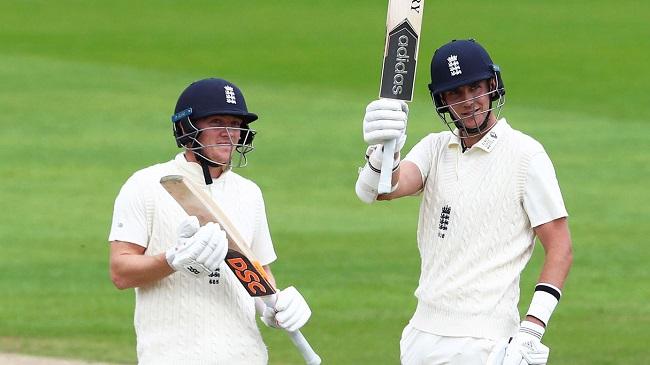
[(403, 26)]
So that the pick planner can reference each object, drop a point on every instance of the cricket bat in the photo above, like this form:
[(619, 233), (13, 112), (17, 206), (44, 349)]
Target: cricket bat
[(403, 24), (240, 259)]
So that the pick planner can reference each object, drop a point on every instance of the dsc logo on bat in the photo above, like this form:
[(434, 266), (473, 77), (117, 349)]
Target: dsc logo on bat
[(246, 273)]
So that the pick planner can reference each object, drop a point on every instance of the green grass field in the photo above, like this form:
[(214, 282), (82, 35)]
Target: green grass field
[(87, 89)]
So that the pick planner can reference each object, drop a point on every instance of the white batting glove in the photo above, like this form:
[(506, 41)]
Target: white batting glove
[(290, 312), (526, 348), (200, 250), (385, 120), (367, 183)]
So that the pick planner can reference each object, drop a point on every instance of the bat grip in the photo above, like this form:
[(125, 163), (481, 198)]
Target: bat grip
[(305, 349), (308, 353), (386, 175)]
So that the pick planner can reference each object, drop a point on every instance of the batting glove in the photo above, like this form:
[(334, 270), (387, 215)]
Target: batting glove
[(367, 183), (526, 348), (200, 250), (385, 120), (290, 311)]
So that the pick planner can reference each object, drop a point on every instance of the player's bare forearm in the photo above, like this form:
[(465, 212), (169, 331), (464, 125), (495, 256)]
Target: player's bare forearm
[(556, 240), (130, 268), (408, 179)]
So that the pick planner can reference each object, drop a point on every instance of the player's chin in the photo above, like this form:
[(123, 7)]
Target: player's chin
[(471, 121), (220, 154)]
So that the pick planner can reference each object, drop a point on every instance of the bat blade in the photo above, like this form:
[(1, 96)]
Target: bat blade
[(403, 25), (240, 259)]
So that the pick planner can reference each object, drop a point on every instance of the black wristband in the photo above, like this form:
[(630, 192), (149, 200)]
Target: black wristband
[(549, 289)]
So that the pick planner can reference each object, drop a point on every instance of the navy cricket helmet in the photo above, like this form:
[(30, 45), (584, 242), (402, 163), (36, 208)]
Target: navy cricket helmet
[(208, 97), (458, 63)]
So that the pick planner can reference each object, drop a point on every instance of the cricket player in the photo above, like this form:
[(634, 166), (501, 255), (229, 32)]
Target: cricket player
[(487, 191), (189, 307)]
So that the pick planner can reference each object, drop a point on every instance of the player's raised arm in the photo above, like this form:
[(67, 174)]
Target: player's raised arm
[(384, 125), (384, 120)]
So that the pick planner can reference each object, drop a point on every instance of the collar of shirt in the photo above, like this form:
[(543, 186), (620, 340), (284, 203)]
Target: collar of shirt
[(488, 142), (193, 171)]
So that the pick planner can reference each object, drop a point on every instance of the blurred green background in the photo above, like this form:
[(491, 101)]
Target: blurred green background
[(87, 89)]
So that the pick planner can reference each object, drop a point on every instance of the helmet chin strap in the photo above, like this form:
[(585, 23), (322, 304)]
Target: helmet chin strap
[(203, 162), (205, 167)]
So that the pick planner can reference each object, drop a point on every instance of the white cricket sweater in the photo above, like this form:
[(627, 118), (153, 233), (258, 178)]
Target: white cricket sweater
[(474, 233), (183, 320)]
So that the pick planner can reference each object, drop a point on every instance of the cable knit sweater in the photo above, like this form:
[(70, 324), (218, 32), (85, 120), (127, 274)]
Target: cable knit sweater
[(474, 232), (182, 320)]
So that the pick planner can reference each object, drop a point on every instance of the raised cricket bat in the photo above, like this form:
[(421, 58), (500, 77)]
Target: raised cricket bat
[(403, 25), (239, 258)]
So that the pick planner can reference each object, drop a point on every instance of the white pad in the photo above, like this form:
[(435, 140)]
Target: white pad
[(498, 353)]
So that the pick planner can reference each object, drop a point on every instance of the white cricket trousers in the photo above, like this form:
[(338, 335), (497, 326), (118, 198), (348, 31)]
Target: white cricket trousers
[(423, 348)]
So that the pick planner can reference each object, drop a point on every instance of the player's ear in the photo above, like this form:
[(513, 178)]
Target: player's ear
[(442, 99), (493, 84)]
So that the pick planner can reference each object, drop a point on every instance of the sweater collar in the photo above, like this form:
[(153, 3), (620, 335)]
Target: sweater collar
[(489, 141), (193, 171)]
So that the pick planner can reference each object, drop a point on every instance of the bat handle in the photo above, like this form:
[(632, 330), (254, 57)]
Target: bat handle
[(386, 175), (305, 349), (308, 353)]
